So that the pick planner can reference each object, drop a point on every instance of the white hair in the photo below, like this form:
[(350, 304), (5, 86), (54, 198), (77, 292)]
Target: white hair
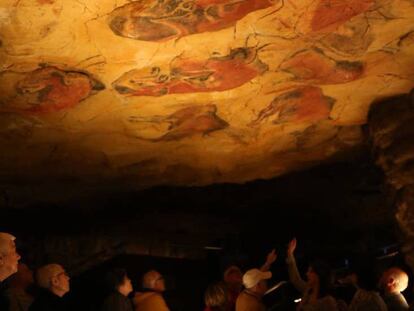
[(5, 239)]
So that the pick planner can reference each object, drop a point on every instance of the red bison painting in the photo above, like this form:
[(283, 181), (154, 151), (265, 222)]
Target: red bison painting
[(187, 122), (50, 89), (167, 19), (312, 65), (304, 104), (193, 76)]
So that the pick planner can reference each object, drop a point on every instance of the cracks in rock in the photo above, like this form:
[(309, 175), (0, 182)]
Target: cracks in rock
[(153, 55), (98, 63), (274, 11), (86, 8), (393, 75), (92, 41), (341, 111)]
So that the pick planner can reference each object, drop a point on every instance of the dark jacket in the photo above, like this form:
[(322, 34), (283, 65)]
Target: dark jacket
[(396, 302), (117, 302), (47, 301), (4, 301)]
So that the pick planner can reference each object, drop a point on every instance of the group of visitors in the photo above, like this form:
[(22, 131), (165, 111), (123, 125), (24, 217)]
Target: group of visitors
[(237, 291), (53, 283), (317, 291)]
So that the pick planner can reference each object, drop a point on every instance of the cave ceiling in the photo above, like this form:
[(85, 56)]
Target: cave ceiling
[(193, 92)]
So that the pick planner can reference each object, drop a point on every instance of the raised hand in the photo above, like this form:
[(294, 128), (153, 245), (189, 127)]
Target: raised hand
[(291, 246)]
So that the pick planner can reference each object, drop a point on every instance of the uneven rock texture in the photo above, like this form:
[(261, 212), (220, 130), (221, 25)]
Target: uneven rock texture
[(391, 127), (192, 92)]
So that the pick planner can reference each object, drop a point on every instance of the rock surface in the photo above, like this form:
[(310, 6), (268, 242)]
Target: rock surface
[(391, 128)]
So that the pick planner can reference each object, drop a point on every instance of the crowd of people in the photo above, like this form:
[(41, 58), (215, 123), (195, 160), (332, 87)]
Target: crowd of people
[(245, 292), (237, 291)]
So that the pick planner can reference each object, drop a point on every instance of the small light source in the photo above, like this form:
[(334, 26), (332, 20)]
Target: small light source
[(214, 248), (275, 287), (393, 254), (297, 300)]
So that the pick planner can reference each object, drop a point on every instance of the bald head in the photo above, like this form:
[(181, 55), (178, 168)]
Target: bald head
[(394, 280), (9, 257), (153, 280), (53, 278)]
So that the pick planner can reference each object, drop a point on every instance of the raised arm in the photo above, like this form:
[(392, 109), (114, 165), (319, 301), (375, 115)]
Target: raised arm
[(270, 259), (294, 275)]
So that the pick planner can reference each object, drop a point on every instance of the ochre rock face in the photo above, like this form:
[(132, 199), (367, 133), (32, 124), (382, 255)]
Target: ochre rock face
[(193, 92), (331, 13)]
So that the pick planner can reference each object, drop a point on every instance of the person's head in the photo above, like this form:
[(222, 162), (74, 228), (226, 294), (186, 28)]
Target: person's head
[(319, 275), (118, 280), (255, 280), (233, 277), (153, 280), (394, 280), (23, 278), (9, 257), (216, 297), (365, 270), (53, 278)]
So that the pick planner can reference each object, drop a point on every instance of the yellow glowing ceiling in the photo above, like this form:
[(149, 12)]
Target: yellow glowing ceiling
[(193, 91)]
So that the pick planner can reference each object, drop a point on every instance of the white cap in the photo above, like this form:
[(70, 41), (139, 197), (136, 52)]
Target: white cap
[(252, 277)]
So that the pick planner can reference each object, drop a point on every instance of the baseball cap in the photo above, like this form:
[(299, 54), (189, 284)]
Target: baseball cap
[(254, 276)]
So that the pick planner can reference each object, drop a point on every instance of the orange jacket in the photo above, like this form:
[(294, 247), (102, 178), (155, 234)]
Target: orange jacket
[(149, 301)]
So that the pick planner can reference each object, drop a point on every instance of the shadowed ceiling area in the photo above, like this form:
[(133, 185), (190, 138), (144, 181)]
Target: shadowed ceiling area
[(145, 93)]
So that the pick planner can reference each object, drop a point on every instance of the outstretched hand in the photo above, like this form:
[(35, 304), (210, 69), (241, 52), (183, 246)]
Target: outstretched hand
[(291, 246)]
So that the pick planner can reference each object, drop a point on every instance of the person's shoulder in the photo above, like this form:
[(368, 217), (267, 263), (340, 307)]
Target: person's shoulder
[(116, 297), (245, 298), (396, 301), (157, 297)]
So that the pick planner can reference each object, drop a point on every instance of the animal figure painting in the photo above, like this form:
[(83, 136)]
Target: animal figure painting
[(313, 66), (304, 104), (48, 89), (193, 76), (187, 122), (168, 19), (333, 13)]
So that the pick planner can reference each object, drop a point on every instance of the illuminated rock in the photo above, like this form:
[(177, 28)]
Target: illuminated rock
[(193, 92)]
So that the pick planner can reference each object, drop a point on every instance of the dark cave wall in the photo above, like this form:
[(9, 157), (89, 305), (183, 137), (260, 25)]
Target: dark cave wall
[(391, 130), (337, 208)]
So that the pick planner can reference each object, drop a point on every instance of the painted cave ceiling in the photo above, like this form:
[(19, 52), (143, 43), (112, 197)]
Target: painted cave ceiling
[(193, 91)]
